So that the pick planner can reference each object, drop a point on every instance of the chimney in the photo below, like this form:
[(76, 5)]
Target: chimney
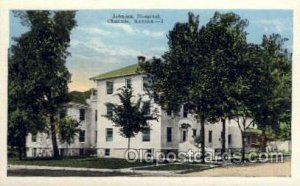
[(141, 59)]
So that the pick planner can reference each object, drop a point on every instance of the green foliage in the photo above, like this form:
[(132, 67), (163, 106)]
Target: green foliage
[(200, 67), (278, 101), (218, 74), (130, 116), (68, 128), (284, 131), (38, 77), (79, 97)]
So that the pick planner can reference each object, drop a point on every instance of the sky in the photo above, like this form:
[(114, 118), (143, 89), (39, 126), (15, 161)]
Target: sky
[(98, 46)]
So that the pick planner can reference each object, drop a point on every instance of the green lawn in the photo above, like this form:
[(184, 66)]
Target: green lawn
[(109, 163), (177, 167)]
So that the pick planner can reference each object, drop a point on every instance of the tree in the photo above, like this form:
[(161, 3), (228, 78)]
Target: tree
[(20, 123), (263, 88), (275, 110), (38, 61), (68, 128), (216, 73), (197, 70), (174, 82), (183, 75), (21, 119), (254, 82), (131, 117), (225, 36)]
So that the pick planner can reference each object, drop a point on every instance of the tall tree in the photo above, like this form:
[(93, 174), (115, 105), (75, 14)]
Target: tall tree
[(24, 114), (129, 115), (253, 82), (219, 75), (263, 88), (38, 59), (225, 37), (275, 107), (183, 75)]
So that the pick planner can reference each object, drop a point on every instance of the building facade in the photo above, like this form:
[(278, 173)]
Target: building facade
[(170, 133), (82, 109)]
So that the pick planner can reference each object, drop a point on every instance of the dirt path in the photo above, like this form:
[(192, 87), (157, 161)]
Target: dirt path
[(257, 170)]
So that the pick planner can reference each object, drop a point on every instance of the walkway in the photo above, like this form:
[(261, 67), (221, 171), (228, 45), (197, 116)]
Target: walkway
[(256, 170)]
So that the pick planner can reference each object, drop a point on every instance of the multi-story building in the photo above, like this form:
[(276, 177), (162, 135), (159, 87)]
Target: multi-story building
[(81, 108), (170, 133)]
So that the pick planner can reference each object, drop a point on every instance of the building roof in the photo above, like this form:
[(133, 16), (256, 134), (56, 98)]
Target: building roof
[(125, 71), (254, 131), (79, 97)]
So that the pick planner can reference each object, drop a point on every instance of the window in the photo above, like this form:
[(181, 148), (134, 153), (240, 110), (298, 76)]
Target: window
[(96, 115), (146, 107), (96, 133), (34, 154), (33, 137), (194, 132), (94, 92), (169, 134), (81, 114), (210, 136), (82, 136), (109, 87), (184, 132), (185, 111), (146, 83), (146, 135), (229, 138), (107, 152), (62, 152), (128, 83), (109, 110), (109, 134)]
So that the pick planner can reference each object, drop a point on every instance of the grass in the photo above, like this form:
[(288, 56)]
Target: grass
[(90, 162), (61, 173), (177, 167)]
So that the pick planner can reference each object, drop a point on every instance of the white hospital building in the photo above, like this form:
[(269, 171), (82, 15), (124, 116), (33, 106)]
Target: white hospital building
[(99, 136)]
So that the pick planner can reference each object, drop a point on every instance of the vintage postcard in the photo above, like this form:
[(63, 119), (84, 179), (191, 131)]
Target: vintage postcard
[(199, 94)]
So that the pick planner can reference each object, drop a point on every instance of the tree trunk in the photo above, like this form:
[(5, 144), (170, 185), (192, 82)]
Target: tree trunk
[(263, 140), (202, 139), (223, 136), (243, 132), (243, 146), (20, 152), (128, 146), (24, 147), (53, 138)]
